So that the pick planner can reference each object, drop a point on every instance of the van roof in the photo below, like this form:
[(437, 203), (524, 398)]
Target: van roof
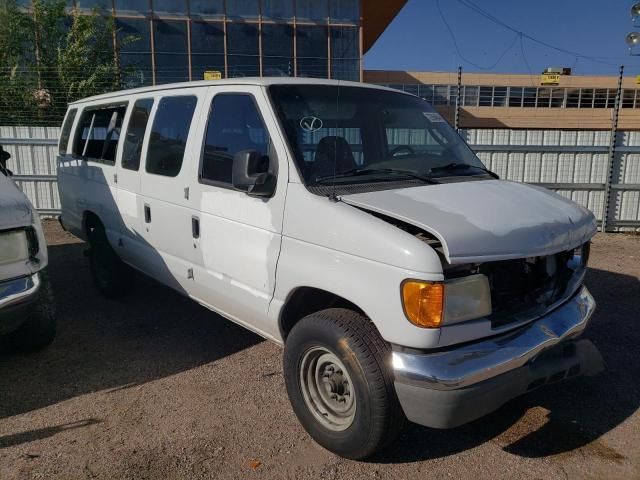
[(262, 81)]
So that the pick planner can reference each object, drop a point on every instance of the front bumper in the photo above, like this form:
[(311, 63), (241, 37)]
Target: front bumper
[(453, 387), (16, 298)]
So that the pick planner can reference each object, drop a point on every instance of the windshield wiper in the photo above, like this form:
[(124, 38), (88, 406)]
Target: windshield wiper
[(354, 172), (462, 166)]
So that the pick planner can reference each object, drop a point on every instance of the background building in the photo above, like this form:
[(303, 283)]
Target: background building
[(520, 101), (162, 41)]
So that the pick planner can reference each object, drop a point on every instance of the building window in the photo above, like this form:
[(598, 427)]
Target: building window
[(234, 125), (586, 98), (243, 8), (277, 50), (312, 51), (135, 134), (169, 134), (470, 98), (277, 8), (500, 95), (134, 45), (170, 41), (441, 95), (312, 9), (628, 98), (132, 6), (426, 92), (544, 98), (344, 10), (206, 7), (529, 97), (573, 98), (170, 6), (345, 58), (557, 97), (515, 96), (486, 96), (243, 58), (207, 48)]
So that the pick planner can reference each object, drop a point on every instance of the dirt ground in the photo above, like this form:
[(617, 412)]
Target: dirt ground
[(157, 387)]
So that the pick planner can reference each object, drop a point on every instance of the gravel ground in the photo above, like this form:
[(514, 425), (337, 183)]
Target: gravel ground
[(156, 386)]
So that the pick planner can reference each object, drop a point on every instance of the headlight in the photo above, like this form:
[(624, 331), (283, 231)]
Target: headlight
[(14, 246), (434, 304)]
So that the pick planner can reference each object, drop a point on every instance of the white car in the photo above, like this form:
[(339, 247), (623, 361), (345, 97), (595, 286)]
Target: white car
[(27, 314), (348, 223)]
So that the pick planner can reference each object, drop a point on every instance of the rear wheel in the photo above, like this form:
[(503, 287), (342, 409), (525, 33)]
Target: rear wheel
[(340, 385), (112, 276)]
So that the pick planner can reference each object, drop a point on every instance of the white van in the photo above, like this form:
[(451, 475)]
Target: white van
[(348, 223)]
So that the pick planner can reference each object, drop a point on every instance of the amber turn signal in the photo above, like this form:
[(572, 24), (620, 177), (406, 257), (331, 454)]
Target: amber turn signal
[(423, 303)]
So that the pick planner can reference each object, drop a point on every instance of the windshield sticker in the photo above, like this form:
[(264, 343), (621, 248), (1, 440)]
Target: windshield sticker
[(433, 117), (310, 124)]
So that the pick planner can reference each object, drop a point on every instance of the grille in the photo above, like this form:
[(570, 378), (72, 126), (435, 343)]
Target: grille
[(525, 288)]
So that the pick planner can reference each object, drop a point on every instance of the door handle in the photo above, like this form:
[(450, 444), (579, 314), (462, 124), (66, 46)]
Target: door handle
[(147, 213), (195, 227)]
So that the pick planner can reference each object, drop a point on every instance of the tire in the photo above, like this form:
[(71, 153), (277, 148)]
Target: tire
[(39, 329), (112, 277), (324, 350)]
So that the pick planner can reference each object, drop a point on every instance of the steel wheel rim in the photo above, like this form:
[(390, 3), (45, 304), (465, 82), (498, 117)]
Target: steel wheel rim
[(327, 389)]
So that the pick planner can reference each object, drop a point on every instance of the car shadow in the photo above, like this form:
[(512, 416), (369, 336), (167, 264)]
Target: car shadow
[(575, 414), (101, 344)]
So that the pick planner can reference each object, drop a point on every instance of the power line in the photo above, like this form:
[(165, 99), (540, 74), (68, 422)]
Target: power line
[(457, 47), (469, 4)]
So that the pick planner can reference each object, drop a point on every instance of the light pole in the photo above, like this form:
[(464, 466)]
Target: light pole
[(633, 38)]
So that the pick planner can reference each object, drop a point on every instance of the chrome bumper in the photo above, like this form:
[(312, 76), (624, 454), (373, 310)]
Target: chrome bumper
[(18, 290), (445, 389)]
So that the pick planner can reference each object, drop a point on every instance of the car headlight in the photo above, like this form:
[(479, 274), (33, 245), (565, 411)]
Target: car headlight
[(14, 246), (436, 304)]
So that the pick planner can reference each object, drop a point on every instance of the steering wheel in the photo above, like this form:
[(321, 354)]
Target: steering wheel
[(402, 148)]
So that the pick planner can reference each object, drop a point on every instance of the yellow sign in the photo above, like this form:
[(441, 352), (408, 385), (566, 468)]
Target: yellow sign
[(638, 80), (550, 79), (212, 75)]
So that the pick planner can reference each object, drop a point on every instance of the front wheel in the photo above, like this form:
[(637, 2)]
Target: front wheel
[(337, 373)]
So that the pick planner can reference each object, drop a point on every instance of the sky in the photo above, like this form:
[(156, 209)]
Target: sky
[(418, 38)]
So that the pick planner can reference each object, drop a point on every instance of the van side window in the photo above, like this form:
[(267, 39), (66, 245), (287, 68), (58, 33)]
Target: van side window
[(169, 135), (135, 133), (66, 131), (234, 125), (98, 133)]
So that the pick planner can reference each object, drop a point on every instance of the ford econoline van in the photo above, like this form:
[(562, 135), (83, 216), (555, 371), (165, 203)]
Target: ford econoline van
[(348, 223)]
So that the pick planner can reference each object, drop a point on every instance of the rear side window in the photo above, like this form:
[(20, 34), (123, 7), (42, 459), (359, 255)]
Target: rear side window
[(169, 135), (135, 133), (234, 125), (66, 131), (98, 133)]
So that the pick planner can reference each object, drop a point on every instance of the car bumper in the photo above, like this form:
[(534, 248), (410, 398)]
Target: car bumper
[(16, 299), (449, 388)]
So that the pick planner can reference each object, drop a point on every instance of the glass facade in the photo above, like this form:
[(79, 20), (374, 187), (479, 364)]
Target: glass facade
[(163, 41), (538, 97)]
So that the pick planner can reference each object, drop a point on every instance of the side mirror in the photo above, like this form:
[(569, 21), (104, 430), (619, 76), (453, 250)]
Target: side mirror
[(251, 174)]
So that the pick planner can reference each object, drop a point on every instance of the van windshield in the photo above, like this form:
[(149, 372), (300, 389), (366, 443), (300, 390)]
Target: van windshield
[(342, 135)]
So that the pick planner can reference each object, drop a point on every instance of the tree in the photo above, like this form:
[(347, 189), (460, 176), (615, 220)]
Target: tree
[(50, 56)]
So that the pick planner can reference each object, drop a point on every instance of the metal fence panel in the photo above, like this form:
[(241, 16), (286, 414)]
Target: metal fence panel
[(571, 162)]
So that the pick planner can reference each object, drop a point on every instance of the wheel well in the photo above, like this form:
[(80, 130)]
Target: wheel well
[(89, 222), (307, 300)]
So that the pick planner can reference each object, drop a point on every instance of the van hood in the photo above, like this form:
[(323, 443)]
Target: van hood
[(480, 221), (15, 209)]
